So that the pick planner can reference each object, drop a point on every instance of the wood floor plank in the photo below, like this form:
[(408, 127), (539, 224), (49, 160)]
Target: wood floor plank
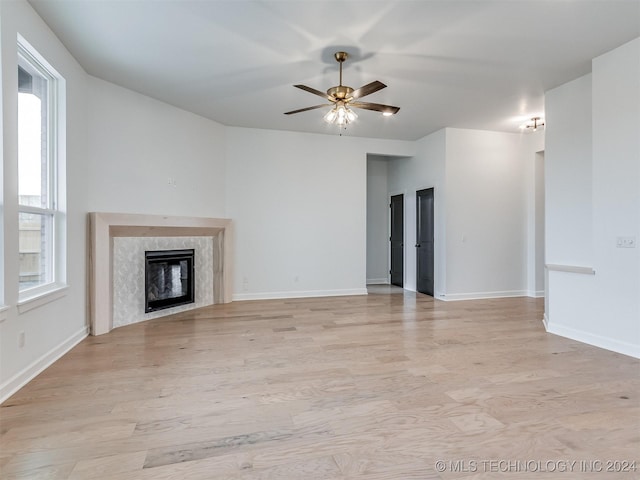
[(364, 388), (98, 468)]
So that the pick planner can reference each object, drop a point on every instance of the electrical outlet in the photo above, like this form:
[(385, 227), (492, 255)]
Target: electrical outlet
[(626, 242), (21, 339)]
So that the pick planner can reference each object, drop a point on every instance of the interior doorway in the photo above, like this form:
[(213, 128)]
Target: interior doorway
[(424, 241), (396, 240)]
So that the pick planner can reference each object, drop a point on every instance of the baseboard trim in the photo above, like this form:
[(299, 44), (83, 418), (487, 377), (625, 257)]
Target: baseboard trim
[(377, 281), (595, 340), (239, 297), (451, 297), (23, 377), (545, 322), (535, 293)]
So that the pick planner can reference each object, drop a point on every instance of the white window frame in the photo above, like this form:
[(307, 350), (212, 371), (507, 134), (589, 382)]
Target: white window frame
[(32, 297)]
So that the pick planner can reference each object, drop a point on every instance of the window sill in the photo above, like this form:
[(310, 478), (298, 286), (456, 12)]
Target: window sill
[(3, 312), (30, 301)]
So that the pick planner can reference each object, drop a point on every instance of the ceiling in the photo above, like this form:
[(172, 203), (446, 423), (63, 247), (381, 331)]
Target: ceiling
[(466, 64)]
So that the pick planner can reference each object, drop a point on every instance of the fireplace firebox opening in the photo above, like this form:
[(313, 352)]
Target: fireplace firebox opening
[(169, 279)]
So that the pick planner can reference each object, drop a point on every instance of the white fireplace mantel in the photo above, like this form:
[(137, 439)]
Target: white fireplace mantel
[(105, 226)]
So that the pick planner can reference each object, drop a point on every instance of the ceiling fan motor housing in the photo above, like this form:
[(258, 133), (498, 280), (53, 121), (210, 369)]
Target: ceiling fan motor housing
[(340, 92)]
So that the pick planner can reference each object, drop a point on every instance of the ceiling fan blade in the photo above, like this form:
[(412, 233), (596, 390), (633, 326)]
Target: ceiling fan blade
[(305, 109), (315, 92), (378, 107), (368, 89)]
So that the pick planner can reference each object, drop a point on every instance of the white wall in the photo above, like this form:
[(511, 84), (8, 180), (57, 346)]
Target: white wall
[(568, 228), (568, 166), (486, 213), (52, 328), (298, 202), (616, 192), (137, 144), (601, 309), (426, 169), (378, 214)]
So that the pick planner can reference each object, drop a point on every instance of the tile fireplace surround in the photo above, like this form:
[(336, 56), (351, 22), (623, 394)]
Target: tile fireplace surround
[(105, 226)]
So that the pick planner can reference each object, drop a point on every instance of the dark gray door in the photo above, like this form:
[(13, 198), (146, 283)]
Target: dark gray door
[(424, 241), (397, 240)]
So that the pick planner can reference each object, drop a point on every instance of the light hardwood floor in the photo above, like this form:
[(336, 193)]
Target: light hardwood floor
[(369, 387)]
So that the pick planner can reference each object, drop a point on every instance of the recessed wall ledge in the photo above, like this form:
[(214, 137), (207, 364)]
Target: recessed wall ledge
[(103, 227), (570, 269)]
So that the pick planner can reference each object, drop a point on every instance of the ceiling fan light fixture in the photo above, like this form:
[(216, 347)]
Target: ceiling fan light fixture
[(331, 115), (340, 115), (387, 114)]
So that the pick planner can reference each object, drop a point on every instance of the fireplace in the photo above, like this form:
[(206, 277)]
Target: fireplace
[(169, 279), (111, 267)]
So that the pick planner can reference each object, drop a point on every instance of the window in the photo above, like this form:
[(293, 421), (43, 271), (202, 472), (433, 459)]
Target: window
[(39, 217)]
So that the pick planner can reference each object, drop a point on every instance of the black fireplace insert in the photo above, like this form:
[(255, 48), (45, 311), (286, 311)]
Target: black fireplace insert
[(169, 279)]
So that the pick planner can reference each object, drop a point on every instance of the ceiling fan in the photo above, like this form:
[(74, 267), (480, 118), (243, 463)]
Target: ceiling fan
[(344, 98)]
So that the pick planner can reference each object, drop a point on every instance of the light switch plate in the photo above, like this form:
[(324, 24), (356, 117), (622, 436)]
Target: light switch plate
[(626, 242)]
